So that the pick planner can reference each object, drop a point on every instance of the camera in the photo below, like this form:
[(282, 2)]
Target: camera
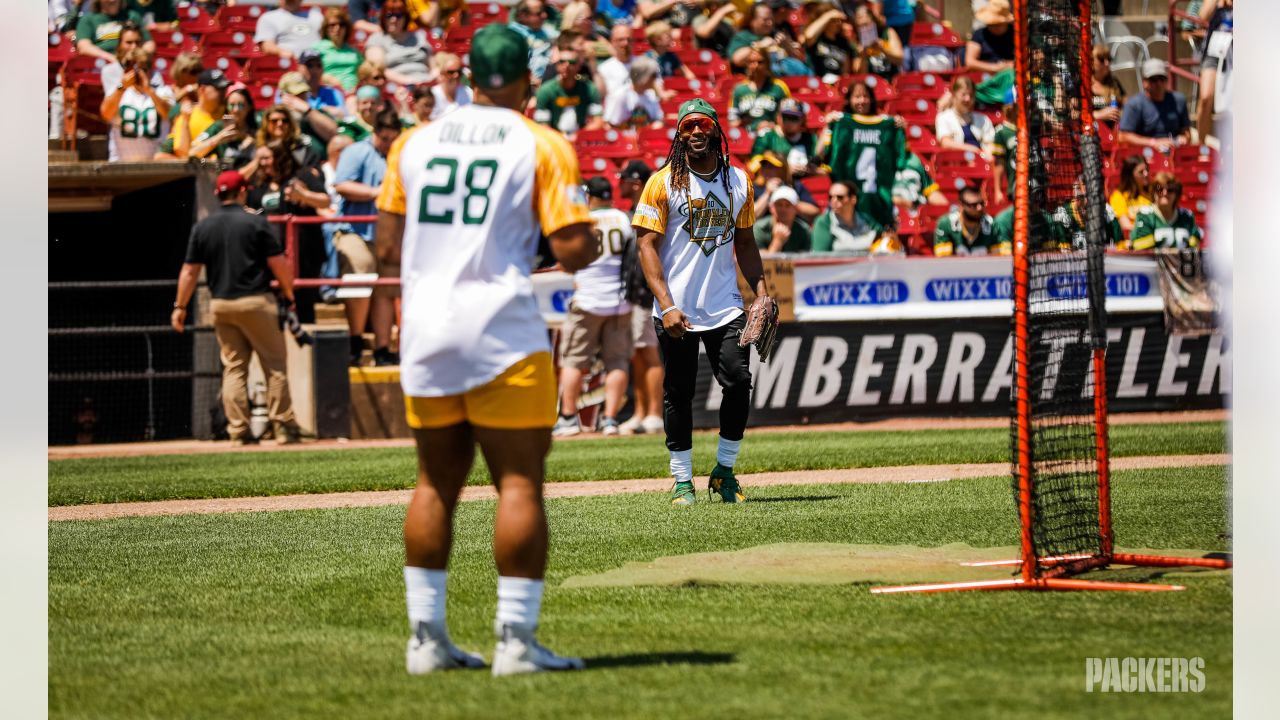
[(289, 321)]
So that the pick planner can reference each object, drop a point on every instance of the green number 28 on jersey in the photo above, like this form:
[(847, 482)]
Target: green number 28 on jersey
[(442, 200)]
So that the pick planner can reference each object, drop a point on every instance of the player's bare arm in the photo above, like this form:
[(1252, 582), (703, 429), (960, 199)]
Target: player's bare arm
[(574, 246), (388, 236), (674, 321)]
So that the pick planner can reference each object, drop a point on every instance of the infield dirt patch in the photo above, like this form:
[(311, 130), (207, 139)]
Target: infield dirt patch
[(898, 474)]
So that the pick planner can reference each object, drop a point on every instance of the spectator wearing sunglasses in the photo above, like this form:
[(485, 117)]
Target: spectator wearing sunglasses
[(451, 93), (843, 229), (569, 102), (1108, 93), (531, 22), (1165, 224), (968, 230)]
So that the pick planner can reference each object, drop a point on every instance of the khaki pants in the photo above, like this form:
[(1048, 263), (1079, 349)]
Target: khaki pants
[(245, 326)]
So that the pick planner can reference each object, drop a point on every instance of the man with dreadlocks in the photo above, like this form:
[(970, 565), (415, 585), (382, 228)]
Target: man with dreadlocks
[(694, 217)]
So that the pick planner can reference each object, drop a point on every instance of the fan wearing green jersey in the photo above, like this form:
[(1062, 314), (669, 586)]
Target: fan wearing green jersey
[(913, 186), (1005, 152), (864, 147), (1165, 224), (968, 230), (1067, 226), (755, 100)]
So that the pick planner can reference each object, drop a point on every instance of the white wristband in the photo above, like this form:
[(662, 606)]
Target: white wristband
[(664, 312)]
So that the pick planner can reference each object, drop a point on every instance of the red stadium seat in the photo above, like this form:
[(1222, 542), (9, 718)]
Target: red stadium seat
[(1190, 175), (1199, 155), (481, 14), (264, 95), (925, 83), (740, 141), (706, 64), (239, 17), (936, 34), (194, 19), (818, 186), (268, 68), (884, 90), (811, 90), (922, 142), (607, 143), (655, 140), (591, 166), (171, 43), (229, 67), (234, 43), (964, 159), (83, 69)]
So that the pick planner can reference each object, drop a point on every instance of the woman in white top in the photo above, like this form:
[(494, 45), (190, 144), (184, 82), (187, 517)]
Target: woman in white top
[(637, 105), (450, 92), (137, 108), (959, 127)]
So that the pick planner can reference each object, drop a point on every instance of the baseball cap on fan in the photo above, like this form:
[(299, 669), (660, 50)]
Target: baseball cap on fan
[(213, 77), (1154, 68), (791, 108), (499, 56)]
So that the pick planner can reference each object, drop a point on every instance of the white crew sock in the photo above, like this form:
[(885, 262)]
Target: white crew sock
[(727, 453), (519, 602), (424, 594), (682, 465)]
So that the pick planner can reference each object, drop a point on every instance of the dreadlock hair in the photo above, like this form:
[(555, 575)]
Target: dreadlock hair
[(678, 161)]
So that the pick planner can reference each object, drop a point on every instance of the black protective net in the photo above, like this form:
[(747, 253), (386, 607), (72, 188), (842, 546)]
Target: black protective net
[(117, 371), (1065, 282)]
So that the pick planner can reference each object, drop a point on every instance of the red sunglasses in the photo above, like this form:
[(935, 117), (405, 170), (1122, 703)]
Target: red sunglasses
[(704, 124)]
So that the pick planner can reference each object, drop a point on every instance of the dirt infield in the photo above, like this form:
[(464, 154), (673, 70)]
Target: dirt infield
[(197, 447), (899, 474)]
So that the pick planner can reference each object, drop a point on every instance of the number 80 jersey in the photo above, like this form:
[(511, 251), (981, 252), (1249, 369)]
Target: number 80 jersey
[(477, 188)]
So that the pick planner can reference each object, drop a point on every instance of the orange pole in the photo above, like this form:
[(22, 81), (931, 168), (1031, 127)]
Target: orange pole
[(1086, 67), (1021, 279), (1104, 450), (1162, 561)]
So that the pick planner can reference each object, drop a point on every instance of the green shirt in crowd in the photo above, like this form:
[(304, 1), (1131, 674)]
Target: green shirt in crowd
[(554, 103), (831, 234), (1067, 227), (104, 30), (340, 62), (951, 238), (752, 107), (866, 150), (800, 240), (1152, 231), (1006, 153), (774, 141), (912, 182)]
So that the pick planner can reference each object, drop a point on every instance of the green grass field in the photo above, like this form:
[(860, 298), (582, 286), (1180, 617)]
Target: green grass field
[(75, 482), (300, 614)]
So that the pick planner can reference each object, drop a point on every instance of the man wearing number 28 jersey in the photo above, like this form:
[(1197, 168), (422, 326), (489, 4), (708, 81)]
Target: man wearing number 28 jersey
[(463, 204)]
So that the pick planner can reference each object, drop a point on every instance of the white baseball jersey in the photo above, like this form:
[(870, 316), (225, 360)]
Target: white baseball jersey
[(697, 243), (598, 286), (138, 127), (476, 187)]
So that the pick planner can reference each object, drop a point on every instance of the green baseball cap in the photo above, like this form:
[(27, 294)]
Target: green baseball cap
[(696, 106), (499, 56)]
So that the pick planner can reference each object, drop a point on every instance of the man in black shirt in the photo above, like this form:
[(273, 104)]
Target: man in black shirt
[(242, 253)]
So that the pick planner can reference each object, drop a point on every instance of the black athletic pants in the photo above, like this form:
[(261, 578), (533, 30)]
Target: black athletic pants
[(731, 365)]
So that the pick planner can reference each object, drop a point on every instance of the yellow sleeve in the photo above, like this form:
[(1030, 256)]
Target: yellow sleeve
[(747, 215), (558, 198), (651, 209), (1119, 204), (391, 197)]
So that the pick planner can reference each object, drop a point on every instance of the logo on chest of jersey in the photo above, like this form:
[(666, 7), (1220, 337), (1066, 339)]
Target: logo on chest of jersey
[(710, 223)]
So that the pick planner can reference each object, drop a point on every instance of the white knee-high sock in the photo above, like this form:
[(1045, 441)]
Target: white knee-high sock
[(727, 452), (519, 602), (424, 592), (682, 465)]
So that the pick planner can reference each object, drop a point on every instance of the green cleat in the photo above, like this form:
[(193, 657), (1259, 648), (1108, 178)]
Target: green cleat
[(682, 493), (724, 483)]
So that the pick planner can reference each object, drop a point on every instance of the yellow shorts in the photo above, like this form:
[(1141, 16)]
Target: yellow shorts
[(523, 397)]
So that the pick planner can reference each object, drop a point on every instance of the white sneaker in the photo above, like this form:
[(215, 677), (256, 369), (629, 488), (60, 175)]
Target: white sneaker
[(609, 426), (518, 652), (632, 427), (653, 424), (566, 427), (430, 650)]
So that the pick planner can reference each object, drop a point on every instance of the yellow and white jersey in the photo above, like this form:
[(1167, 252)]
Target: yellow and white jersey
[(597, 288), (697, 241), (477, 188)]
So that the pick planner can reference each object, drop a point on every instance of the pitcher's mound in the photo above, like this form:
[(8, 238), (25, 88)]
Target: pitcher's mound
[(826, 564)]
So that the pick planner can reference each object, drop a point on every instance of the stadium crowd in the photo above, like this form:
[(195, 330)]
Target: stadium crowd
[(868, 126)]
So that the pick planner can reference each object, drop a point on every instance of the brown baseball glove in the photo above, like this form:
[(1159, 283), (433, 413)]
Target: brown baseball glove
[(761, 329)]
